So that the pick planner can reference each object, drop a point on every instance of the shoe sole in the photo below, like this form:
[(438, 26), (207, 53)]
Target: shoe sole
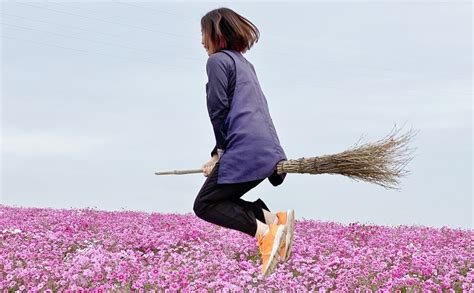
[(274, 256), (290, 216)]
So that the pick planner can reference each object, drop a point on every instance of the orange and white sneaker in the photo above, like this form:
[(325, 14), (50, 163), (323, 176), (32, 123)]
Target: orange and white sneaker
[(288, 219), (269, 244)]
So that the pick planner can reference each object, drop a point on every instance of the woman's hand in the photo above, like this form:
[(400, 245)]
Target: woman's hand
[(207, 167)]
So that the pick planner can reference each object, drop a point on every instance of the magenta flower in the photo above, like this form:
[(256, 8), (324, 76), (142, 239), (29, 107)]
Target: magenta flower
[(174, 286), (96, 251)]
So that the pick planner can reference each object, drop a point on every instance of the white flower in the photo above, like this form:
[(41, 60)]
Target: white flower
[(12, 231)]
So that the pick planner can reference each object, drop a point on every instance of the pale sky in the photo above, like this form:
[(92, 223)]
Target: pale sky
[(97, 96)]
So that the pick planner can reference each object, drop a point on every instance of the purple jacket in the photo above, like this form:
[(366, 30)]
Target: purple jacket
[(241, 121)]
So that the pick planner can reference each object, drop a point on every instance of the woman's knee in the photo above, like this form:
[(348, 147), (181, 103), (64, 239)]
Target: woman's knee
[(199, 207)]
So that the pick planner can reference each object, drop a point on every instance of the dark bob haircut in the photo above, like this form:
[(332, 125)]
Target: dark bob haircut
[(225, 29)]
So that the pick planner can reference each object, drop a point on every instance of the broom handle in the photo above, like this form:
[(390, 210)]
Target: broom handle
[(179, 172)]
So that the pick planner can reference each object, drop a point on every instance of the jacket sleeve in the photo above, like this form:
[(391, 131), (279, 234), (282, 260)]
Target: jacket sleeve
[(217, 97)]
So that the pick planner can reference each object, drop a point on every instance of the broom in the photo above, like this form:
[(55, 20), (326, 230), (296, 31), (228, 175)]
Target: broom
[(380, 163)]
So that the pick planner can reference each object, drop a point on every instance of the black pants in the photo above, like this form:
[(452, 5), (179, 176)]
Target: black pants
[(221, 204)]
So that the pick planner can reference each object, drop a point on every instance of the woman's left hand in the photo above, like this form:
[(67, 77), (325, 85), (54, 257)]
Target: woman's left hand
[(208, 166)]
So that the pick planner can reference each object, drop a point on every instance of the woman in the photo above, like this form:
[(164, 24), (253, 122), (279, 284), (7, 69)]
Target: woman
[(247, 147)]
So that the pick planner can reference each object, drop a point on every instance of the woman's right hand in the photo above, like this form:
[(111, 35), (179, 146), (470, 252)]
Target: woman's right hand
[(207, 167)]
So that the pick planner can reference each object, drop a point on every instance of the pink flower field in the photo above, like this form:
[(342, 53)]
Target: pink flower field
[(43, 249)]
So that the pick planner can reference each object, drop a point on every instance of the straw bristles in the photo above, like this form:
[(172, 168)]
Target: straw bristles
[(381, 162)]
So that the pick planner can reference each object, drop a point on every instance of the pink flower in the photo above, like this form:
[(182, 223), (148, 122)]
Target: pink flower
[(325, 255), (174, 286)]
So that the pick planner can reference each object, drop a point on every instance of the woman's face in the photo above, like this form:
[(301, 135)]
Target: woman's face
[(203, 42)]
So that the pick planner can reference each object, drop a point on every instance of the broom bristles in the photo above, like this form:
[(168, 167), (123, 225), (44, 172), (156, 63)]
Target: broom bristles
[(381, 162)]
